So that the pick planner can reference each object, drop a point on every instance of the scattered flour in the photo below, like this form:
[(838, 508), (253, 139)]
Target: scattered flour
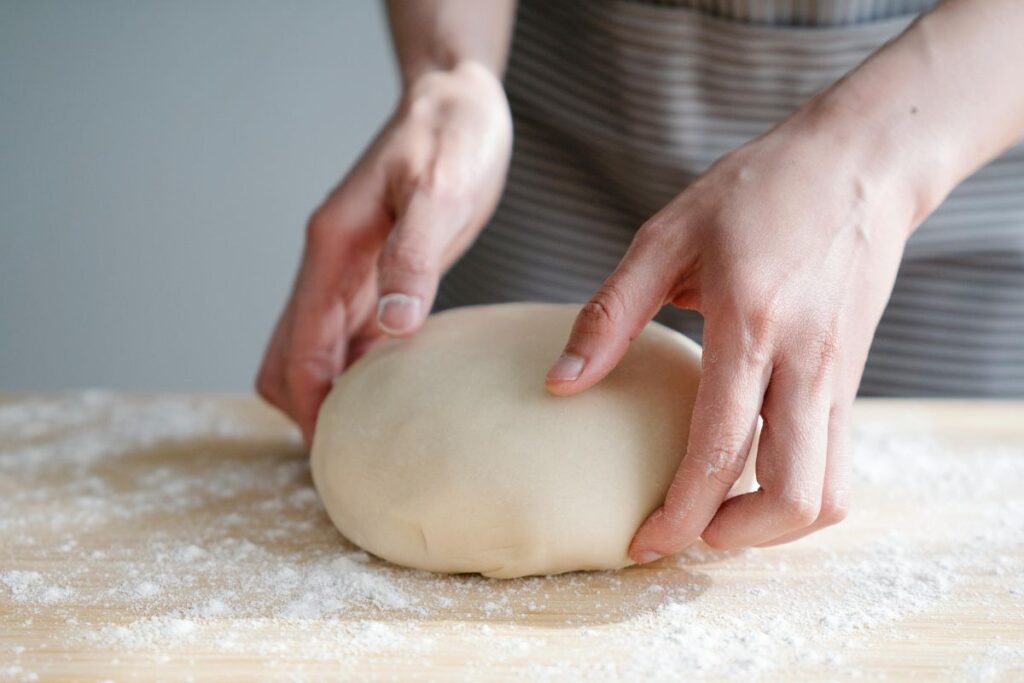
[(219, 544), (31, 587)]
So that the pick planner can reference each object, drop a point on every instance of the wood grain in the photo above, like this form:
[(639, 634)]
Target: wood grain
[(468, 628)]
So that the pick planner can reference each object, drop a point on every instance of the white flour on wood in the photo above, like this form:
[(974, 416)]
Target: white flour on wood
[(219, 545)]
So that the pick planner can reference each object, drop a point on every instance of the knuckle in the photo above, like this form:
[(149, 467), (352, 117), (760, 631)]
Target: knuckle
[(834, 509), (839, 414), (715, 539), (798, 511), (763, 320), (268, 387), (404, 171), (438, 180), (604, 311), (677, 528), (301, 371), (319, 229), (443, 185), (724, 462), (650, 232), (826, 347), (759, 326), (407, 259), (420, 105)]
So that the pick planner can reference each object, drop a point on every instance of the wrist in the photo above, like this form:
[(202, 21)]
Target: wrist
[(437, 94), (878, 141), (451, 66), (466, 78), (437, 36)]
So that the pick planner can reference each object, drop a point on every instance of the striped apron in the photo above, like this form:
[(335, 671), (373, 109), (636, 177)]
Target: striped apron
[(619, 104)]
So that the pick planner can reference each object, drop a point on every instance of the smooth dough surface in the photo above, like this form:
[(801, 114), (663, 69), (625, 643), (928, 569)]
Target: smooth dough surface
[(445, 452)]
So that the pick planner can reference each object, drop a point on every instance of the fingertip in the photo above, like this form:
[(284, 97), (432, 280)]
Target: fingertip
[(598, 341), (644, 547), (567, 368), (717, 542), (306, 420), (562, 378), (399, 314), (307, 434), (558, 388), (647, 556)]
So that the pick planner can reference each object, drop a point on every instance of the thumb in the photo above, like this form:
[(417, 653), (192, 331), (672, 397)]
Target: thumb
[(410, 263), (613, 317)]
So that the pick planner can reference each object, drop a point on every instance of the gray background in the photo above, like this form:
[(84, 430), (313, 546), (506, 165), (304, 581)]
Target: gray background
[(158, 160)]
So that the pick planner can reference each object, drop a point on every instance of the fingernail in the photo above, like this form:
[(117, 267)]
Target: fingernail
[(398, 313), (567, 368), (647, 556)]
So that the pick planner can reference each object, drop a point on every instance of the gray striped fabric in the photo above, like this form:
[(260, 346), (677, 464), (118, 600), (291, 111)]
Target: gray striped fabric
[(802, 12), (620, 104)]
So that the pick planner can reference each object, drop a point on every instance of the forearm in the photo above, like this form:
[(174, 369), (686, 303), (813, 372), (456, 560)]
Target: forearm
[(431, 35), (940, 100)]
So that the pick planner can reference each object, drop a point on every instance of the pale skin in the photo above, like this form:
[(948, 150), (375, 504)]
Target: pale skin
[(788, 247)]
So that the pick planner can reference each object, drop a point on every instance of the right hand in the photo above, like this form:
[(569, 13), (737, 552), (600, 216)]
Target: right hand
[(377, 246)]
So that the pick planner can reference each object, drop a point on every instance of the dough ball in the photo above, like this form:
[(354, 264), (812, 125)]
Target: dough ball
[(445, 452)]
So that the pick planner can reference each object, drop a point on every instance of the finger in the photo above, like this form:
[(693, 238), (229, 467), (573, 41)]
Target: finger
[(721, 431), (335, 266), (361, 331), (614, 316), (835, 496), (368, 335), (270, 378), (410, 264), (791, 461), (315, 356)]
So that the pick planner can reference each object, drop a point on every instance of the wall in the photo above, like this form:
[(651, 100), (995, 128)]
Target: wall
[(157, 162)]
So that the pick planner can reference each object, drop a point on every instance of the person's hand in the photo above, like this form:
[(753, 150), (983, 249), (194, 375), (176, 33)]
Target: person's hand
[(789, 248), (377, 246)]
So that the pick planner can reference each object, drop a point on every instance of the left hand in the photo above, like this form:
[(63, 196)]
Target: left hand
[(377, 246), (789, 248)]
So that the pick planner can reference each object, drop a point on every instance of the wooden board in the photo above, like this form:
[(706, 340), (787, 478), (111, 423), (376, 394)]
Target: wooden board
[(178, 537)]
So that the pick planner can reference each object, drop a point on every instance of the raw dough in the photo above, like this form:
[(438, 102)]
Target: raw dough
[(445, 452)]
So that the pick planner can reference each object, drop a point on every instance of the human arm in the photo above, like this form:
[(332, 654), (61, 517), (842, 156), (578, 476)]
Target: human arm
[(789, 248), (376, 247)]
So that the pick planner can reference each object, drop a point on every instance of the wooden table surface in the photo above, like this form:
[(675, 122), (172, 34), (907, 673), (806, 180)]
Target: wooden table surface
[(167, 537)]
